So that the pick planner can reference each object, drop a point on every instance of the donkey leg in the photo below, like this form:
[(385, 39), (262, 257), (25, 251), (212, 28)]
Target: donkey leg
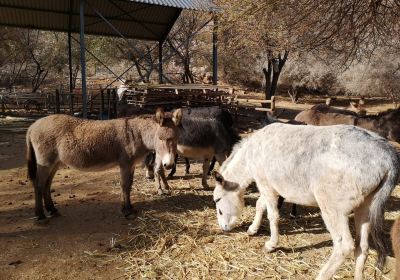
[(280, 202), (149, 165), (173, 170), (206, 166), (218, 157), (361, 220), (293, 212), (343, 244), (187, 163), (161, 179), (149, 173), (126, 187), (260, 209), (212, 164), (48, 202), (39, 185), (271, 201)]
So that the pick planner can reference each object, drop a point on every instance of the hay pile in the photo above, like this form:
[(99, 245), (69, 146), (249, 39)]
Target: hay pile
[(178, 237)]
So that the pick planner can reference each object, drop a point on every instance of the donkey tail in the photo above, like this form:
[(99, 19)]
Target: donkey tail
[(30, 157), (377, 212)]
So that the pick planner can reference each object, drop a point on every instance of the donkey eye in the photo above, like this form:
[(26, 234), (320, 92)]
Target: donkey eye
[(219, 211), (216, 201)]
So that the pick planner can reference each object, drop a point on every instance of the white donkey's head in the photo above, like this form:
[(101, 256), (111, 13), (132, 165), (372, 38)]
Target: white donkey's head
[(229, 202)]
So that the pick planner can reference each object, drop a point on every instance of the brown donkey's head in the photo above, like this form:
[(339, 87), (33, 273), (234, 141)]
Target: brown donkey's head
[(359, 107), (166, 137)]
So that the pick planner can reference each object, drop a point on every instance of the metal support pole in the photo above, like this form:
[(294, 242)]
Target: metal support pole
[(160, 62), (70, 62), (215, 50), (70, 46), (57, 101), (83, 59), (101, 104), (71, 103)]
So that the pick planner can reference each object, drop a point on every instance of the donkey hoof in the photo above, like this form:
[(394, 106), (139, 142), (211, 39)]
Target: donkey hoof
[(269, 248), (128, 212), (164, 192), (54, 213), (252, 230), (41, 221)]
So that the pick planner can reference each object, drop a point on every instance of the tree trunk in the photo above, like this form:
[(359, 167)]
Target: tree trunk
[(272, 73), (268, 75), (187, 73)]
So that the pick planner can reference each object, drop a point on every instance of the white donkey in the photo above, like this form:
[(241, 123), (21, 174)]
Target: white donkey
[(338, 168)]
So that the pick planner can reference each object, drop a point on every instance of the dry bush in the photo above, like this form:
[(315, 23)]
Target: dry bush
[(378, 77), (306, 73)]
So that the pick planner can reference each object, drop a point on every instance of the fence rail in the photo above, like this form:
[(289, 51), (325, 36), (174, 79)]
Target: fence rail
[(101, 103)]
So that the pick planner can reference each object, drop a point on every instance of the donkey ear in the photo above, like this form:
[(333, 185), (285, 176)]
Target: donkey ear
[(160, 116), (177, 117), (218, 177)]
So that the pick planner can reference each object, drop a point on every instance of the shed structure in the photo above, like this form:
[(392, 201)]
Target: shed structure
[(130, 19)]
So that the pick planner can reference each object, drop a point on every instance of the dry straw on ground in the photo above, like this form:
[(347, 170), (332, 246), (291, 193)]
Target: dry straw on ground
[(178, 237)]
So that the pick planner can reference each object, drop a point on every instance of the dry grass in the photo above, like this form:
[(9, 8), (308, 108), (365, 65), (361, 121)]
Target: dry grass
[(178, 237)]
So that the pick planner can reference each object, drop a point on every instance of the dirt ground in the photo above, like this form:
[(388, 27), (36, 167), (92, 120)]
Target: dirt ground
[(174, 237)]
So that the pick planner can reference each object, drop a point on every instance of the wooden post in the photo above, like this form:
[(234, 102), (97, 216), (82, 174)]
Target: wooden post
[(3, 105), (272, 103), (101, 103), (57, 101)]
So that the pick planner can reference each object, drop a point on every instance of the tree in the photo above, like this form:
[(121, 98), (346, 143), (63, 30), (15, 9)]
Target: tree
[(184, 42), (341, 32), (255, 30)]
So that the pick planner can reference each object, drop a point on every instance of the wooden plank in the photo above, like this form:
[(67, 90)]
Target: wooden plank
[(262, 101), (263, 109)]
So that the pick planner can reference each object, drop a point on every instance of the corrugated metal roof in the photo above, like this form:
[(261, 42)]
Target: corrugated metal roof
[(141, 19), (202, 5)]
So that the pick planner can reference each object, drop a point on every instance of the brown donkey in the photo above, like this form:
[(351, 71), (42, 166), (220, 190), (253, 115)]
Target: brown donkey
[(90, 145), (395, 236), (386, 124)]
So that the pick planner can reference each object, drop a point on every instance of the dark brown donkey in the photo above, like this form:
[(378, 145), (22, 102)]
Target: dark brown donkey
[(90, 145), (395, 236)]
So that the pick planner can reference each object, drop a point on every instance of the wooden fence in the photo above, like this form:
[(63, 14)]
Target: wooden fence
[(101, 104), (192, 95)]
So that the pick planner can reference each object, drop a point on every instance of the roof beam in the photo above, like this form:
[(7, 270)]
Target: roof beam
[(111, 34)]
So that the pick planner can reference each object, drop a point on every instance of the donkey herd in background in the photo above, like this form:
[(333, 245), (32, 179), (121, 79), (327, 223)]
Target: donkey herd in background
[(335, 159)]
